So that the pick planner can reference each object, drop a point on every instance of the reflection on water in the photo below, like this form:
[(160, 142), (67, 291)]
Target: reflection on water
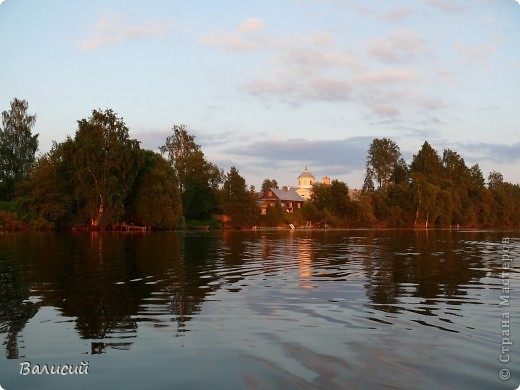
[(292, 309)]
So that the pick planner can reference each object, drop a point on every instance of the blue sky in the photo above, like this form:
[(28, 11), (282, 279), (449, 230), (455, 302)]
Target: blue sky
[(273, 86)]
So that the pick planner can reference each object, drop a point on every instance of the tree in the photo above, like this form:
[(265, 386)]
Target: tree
[(368, 183), (105, 162), (17, 147), (267, 184), (322, 197), (382, 161), (156, 201), (495, 180), (401, 172), (198, 178), (477, 179), (364, 211), (428, 163), (427, 195), (48, 194), (274, 215), (342, 205), (198, 199), (239, 204)]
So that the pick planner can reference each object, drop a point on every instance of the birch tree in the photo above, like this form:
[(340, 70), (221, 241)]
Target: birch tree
[(106, 162)]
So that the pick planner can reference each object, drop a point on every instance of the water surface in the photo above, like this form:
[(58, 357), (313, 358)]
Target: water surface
[(293, 309)]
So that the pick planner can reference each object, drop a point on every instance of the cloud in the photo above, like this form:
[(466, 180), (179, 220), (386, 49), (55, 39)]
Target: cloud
[(349, 153), (239, 40), (228, 42), (475, 54), (114, 28), (392, 15), (314, 59), (251, 25), (499, 153), (314, 68), (401, 46), (397, 14), (447, 6), (387, 76)]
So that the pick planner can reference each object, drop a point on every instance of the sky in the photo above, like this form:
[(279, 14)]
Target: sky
[(271, 87)]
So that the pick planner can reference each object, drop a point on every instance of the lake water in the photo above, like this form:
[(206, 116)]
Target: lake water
[(349, 309)]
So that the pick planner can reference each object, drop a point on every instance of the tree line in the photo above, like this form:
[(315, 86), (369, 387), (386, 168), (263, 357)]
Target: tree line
[(101, 178)]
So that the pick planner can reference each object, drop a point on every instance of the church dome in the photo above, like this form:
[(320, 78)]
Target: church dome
[(305, 182), (306, 175)]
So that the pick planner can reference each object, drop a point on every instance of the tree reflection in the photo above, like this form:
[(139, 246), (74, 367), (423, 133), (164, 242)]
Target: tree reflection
[(112, 284), (15, 308), (105, 282), (417, 263)]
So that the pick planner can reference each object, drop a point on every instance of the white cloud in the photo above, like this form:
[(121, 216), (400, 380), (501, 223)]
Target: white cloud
[(241, 40), (447, 6), (314, 68), (397, 14), (229, 42), (475, 54), (114, 28), (251, 25), (387, 76), (400, 46)]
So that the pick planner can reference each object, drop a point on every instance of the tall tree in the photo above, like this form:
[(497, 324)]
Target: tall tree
[(239, 204), (383, 159), (48, 194), (181, 150), (198, 178), (495, 180), (156, 201), (106, 162), (368, 183), (17, 147), (340, 199), (428, 163), (322, 197)]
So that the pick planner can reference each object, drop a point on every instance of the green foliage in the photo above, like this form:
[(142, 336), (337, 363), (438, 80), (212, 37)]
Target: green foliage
[(341, 203), (101, 177), (155, 200), (382, 162), (268, 183), (17, 147), (311, 212), (331, 201), (428, 163), (198, 199), (322, 197), (274, 215), (105, 162), (495, 180), (198, 178), (48, 194), (364, 211), (239, 203)]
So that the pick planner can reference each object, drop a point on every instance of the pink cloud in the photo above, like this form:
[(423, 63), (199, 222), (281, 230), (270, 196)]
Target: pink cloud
[(400, 46), (114, 28), (251, 25)]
